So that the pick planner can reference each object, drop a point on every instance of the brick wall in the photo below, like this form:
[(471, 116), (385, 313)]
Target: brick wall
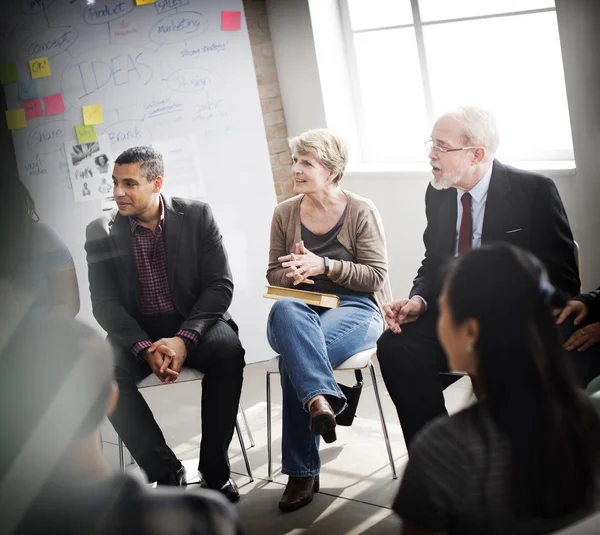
[(270, 97)]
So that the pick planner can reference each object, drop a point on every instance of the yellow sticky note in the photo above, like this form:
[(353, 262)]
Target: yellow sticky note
[(16, 119), (86, 134), (40, 67), (144, 2), (92, 114)]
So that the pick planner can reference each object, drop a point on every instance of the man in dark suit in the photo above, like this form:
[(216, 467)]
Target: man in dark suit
[(161, 286), (472, 199)]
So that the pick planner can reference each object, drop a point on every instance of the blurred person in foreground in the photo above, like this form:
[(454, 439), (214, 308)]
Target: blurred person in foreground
[(328, 240), (472, 200), (37, 273), (53, 476), (526, 457)]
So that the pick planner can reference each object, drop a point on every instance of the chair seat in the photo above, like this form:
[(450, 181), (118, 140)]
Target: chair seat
[(187, 374), (355, 362)]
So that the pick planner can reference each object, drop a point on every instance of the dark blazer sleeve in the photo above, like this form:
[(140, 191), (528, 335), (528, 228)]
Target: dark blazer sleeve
[(217, 281), (591, 300), (107, 304), (552, 239), (428, 272)]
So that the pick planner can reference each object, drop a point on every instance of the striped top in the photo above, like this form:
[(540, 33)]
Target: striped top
[(456, 483)]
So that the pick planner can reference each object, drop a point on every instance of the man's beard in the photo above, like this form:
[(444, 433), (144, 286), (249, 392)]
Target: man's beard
[(448, 180)]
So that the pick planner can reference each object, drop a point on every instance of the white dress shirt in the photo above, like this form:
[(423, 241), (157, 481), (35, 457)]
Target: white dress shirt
[(479, 194)]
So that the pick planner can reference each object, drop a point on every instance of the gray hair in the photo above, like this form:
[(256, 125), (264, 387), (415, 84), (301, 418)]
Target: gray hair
[(326, 146), (480, 128)]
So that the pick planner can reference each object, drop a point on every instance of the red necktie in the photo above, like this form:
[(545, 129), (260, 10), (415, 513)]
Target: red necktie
[(465, 236)]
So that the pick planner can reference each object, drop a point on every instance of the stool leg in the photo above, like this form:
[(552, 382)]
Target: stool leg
[(121, 460), (383, 426), (247, 427), (244, 452), (269, 460)]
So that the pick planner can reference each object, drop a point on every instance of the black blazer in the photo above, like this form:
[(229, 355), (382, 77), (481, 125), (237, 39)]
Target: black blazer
[(522, 208), (197, 269), (592, 301)]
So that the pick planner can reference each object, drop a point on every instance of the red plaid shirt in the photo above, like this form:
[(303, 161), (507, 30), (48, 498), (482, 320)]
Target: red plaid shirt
[(151, 265)]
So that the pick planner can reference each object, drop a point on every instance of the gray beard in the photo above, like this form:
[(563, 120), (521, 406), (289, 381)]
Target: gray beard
[(446, 182)]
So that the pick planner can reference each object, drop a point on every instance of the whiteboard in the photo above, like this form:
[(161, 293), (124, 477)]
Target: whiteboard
[(164, 73)]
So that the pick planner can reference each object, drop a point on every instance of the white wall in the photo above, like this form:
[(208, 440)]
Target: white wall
[(399, 196)]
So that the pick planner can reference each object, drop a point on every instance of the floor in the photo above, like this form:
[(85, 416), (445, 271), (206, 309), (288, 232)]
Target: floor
[(356, 483)]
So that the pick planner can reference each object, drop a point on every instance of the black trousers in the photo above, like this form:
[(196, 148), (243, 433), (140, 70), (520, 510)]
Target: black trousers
[(220, 356), (411, 363)]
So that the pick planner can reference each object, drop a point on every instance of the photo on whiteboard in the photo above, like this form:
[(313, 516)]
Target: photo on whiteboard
[(89, 168), (80, 153), (102, 163)]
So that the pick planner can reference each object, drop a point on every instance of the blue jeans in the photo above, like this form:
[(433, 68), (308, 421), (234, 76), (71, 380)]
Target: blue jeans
[(311, 342)]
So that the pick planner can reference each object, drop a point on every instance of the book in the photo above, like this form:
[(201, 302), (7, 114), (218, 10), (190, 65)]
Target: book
[(310, 298)]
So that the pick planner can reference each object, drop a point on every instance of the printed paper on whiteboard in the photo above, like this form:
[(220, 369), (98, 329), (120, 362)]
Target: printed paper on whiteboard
[(90, 169), (182, 168)]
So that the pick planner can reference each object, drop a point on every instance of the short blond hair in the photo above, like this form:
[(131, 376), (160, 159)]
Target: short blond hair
[(330, 149)]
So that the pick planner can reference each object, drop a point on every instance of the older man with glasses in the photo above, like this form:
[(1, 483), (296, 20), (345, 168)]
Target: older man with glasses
[(472, 200)]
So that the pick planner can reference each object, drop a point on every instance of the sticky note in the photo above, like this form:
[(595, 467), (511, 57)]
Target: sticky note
[(27, 89), (33, 108), (9, 73), (93, 114), (40, 68), (86, 133), (144, 2), (54, 104), (16, 119), (231, 20)]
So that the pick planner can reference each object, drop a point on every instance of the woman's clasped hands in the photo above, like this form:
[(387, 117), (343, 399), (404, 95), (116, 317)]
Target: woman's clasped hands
[(302, 264)]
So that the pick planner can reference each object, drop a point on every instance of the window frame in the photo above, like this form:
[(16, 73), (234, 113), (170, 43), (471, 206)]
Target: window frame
[(418, 24)]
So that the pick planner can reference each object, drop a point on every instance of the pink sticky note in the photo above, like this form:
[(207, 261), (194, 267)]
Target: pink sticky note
[(231, 20), (54, 104), (33, 108)]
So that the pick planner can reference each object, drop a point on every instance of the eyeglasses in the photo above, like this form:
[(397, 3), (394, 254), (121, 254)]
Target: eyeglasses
[(431, 146)]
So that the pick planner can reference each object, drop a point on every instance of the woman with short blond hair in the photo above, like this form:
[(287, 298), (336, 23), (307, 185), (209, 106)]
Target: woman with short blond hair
[(326, 240)]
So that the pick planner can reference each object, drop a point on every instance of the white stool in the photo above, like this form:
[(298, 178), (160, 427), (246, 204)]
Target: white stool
[(187, 375), (356, 362)]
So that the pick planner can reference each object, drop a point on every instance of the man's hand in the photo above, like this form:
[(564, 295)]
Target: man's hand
[(584, 338), (302, 264), (174, 352), (403, 311), (158, 361), (572, 307)]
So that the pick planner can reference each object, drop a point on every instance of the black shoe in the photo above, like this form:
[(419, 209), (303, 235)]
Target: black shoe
[(176, 479), (229, 490)]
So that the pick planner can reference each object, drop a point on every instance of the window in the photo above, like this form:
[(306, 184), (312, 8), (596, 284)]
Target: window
[(411, 60)]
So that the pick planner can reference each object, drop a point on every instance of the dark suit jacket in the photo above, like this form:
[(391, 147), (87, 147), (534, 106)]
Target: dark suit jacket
[(197, 269), (522, 208), (592, 301)]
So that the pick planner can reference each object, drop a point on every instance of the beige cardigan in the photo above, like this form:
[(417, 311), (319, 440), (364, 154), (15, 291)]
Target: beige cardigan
[(361, 234)]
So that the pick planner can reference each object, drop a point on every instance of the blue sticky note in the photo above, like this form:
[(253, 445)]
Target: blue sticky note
[(27, 89)]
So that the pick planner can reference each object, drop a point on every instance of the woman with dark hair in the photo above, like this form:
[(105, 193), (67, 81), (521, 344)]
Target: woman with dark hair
[(37, 272), (526, 457)]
